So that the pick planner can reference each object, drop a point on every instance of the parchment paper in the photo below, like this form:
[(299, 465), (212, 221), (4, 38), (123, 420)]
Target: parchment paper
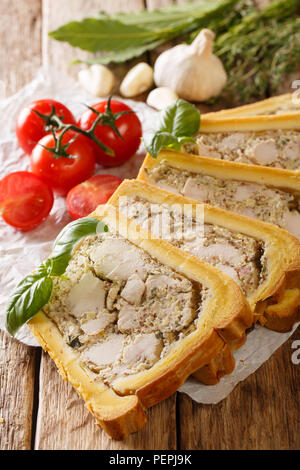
[(22, 252)]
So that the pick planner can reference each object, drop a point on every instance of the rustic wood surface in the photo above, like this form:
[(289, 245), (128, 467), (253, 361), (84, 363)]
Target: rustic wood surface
[(38, 410)]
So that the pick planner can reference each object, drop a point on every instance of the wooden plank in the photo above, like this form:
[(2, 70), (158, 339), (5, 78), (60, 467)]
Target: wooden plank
[(17, 365), (20, 32), (63, 422), (59, 54), (261, 413)]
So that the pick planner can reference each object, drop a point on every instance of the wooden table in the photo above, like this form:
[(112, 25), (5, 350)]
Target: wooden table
[(40, 411)]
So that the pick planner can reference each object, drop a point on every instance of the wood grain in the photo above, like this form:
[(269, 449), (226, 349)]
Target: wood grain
[(262, 412), (20, 56), (64, 423), (17, 365)]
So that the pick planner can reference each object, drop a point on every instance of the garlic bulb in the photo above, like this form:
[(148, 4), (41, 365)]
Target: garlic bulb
[(160, 98), (137, 80), (192, 71), (97, 79)]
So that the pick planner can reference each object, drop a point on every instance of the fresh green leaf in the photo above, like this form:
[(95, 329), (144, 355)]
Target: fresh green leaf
[(160, 140), (180, 119), (34, 291), (129, 35), (121, 55), (29, 298), (177, 124), (259, 52), (92, 34), (69, 237)]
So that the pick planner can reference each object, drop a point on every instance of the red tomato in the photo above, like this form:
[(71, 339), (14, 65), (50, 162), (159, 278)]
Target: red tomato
[(25, 200), (85, 197), (30, 128), (128, 125), (62, 173)]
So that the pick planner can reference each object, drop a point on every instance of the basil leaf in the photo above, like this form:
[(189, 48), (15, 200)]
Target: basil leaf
[(32, 293), (177, 124), (69, 237), (181, 119), (154, 143)]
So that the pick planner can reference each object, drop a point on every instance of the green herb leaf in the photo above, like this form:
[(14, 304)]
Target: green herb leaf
[(30, 296), (69, 237), (129, 35), (34, 291), (178, 123), (180, 119)]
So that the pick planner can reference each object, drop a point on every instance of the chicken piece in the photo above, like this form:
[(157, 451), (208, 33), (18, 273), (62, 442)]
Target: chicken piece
[(229, 270), (195, 191), (291, 222), (292, 151), (205, 151), (145, 348), (129, 318), (133, 290), (221, 251), (265, 153), (232, 141), (117, 260), (244, 192), (93, 327), (105, 353), (156, 282), (87, 295)]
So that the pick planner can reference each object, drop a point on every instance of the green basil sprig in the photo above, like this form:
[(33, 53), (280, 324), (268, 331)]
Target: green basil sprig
[(34, 291), (178, 123)]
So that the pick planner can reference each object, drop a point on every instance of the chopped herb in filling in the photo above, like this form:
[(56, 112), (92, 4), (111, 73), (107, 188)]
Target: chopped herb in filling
[(239, 256), (120, 308), (275, 148), (261, 202)]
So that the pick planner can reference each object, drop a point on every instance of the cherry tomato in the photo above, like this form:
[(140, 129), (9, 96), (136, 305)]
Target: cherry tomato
[(128, 125), (61, 172), (25, 200), (30, 128), (85, 197)]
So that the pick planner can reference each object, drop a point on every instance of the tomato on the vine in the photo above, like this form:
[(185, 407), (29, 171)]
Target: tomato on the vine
[(30, 127), (86, 196), (62, 171), (25, 200), (127, 125)]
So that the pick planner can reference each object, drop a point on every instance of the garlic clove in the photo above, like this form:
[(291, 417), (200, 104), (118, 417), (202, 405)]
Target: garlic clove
[(137, 80), (97, 80), (161, 97), (193, 72)]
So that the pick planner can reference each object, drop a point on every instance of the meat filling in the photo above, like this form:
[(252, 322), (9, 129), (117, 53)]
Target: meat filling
[(261, 202), (274, 148), (120, 308), (239, 256)]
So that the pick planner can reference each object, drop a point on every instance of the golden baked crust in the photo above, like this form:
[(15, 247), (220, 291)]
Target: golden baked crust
[(225, 169), (119, 409), (282, 248), (234, 123), (263, 107)]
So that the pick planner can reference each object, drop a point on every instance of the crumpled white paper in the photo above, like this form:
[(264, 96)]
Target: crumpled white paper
[(21, 252)]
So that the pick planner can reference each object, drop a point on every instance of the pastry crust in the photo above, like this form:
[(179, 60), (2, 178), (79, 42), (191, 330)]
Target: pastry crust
[(120, 408), (263, 107), (234, 123), (282, 248)]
